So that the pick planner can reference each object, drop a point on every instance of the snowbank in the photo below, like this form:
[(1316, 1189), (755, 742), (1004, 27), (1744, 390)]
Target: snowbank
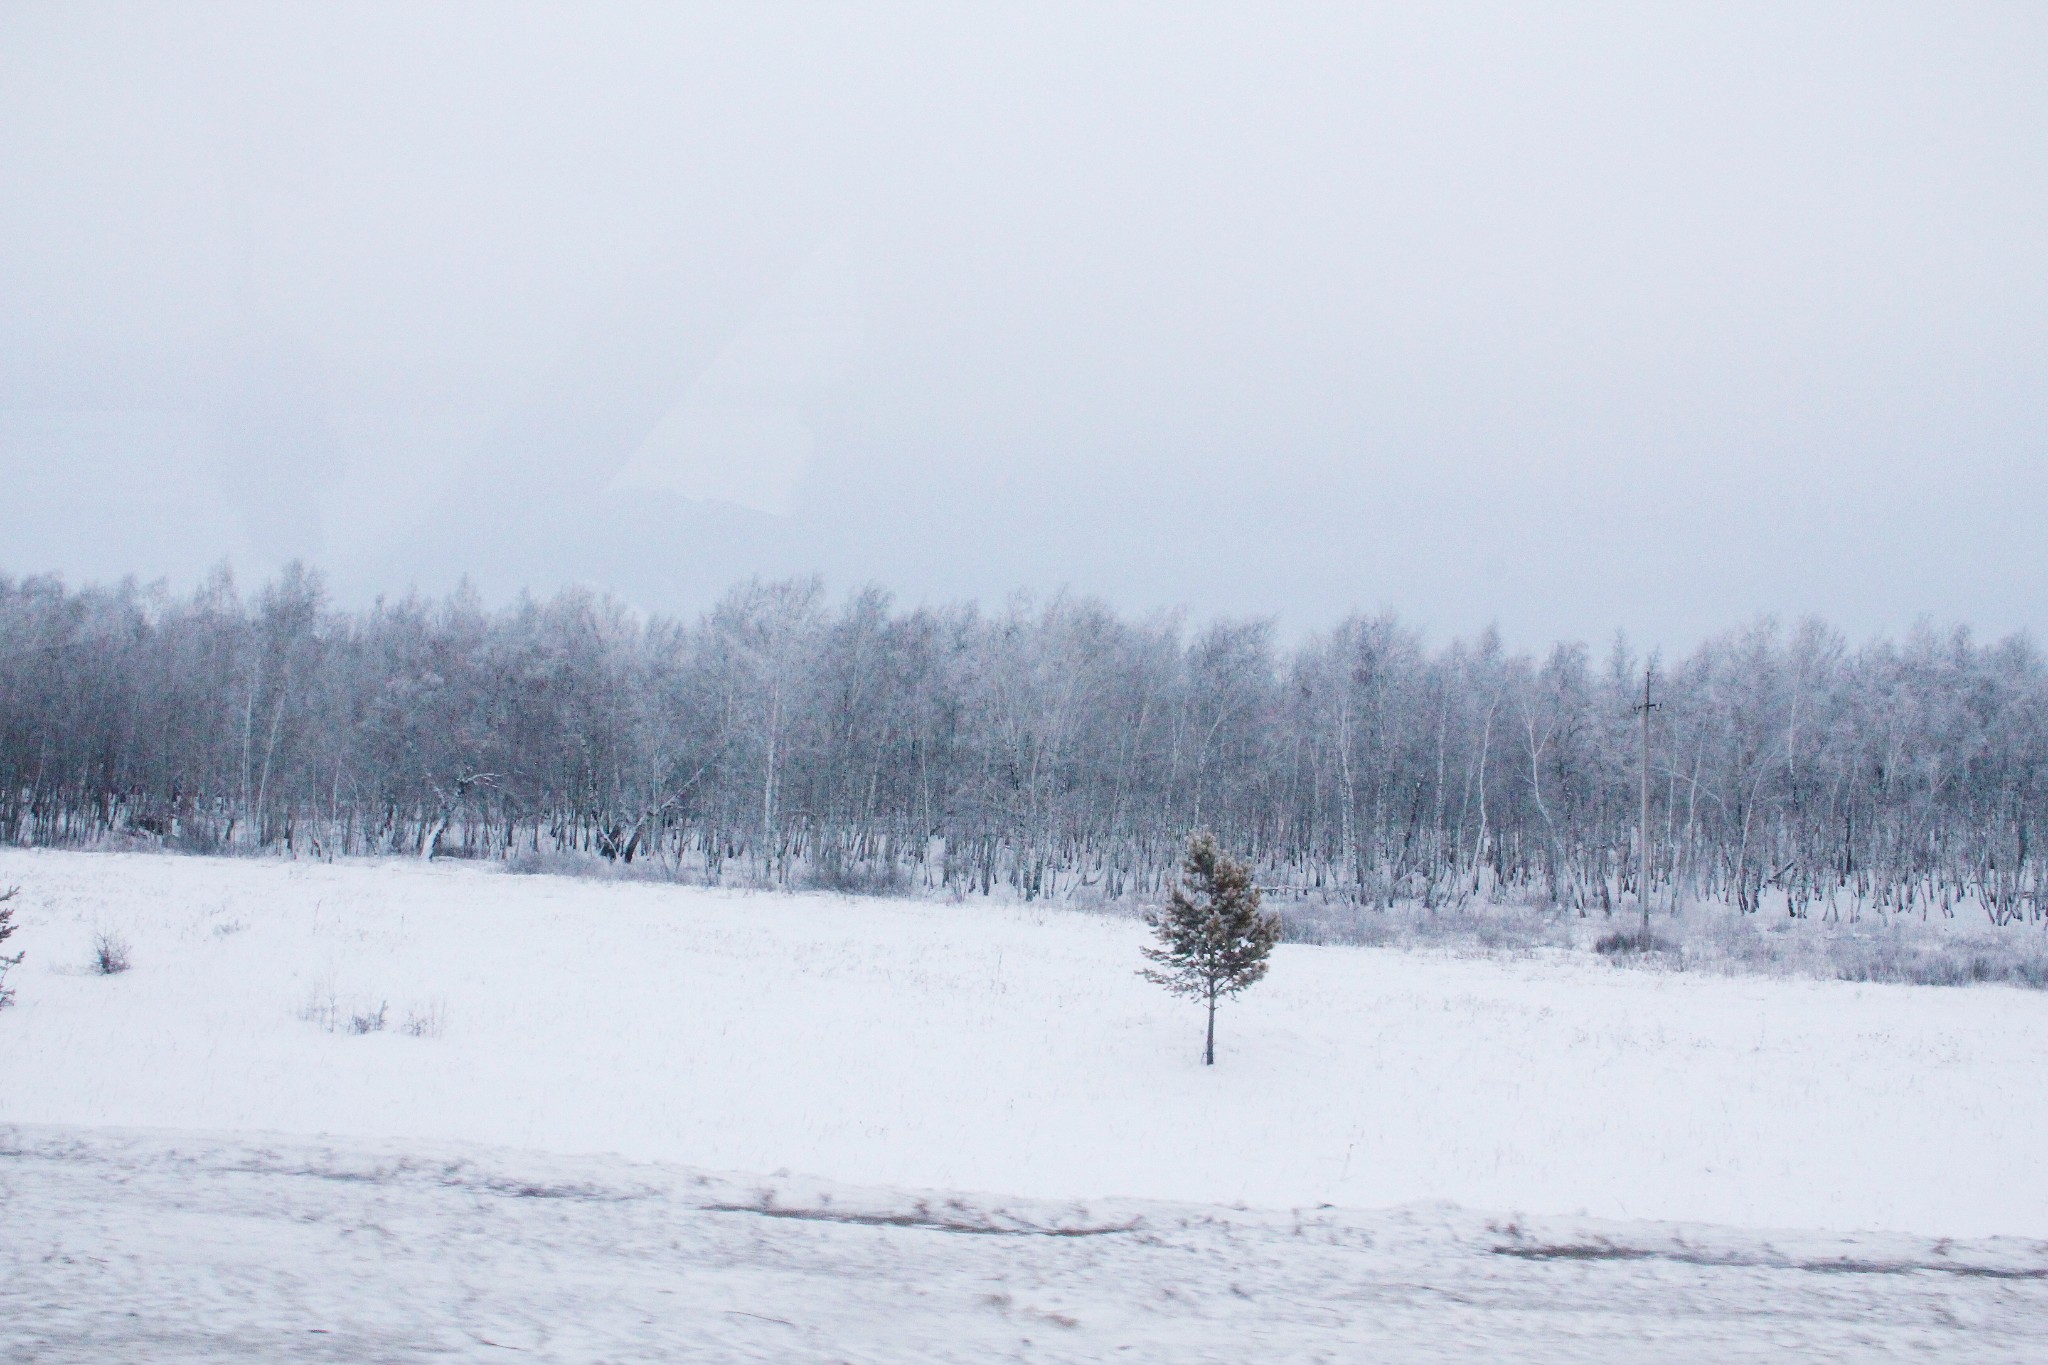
[(297, 1252)]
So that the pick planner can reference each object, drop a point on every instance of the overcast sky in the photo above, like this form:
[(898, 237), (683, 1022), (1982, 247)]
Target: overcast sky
[(1563, 317)]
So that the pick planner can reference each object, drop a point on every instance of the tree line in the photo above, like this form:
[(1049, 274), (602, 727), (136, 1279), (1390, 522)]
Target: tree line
[(1049, 747)]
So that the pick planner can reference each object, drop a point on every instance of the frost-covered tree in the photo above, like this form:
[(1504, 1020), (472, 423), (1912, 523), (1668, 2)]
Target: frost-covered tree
[(1213, 939), (1046, 749)]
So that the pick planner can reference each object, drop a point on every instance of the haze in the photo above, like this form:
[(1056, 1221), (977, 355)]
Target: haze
[(1569, 319)]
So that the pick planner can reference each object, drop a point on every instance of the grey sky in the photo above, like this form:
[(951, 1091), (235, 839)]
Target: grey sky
[(1570, 318)]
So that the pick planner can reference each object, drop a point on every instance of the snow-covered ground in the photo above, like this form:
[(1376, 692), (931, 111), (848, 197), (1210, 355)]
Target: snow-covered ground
[(150, 1248), (873, 1050)]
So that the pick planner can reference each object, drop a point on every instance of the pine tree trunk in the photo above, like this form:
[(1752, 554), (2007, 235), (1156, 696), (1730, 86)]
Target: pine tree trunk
[(1209, 1049)]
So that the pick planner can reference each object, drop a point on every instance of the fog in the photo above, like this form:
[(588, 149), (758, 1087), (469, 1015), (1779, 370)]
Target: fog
[(1641, 317)]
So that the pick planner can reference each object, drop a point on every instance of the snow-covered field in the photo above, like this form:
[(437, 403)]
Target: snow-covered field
[(168, 1127)]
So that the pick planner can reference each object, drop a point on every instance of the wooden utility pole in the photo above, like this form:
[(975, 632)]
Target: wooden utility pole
[(1643, 709)]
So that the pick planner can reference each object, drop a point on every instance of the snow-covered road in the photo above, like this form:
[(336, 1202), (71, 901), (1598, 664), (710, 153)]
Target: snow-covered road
[(191, 1248)]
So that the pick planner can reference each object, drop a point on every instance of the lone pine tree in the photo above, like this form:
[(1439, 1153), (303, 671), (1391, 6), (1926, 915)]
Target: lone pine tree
[(1213, 941)]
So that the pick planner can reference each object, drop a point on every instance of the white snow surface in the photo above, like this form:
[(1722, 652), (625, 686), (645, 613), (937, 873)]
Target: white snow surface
[(1010, 1049), (137, 1247), (645, 1122)]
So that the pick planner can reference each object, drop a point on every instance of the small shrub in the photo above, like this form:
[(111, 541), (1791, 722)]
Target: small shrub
[(422, 1021), (109, 954), (194, 835), (1632, 941), (7, 927), (833, 870), (322, 1010)]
